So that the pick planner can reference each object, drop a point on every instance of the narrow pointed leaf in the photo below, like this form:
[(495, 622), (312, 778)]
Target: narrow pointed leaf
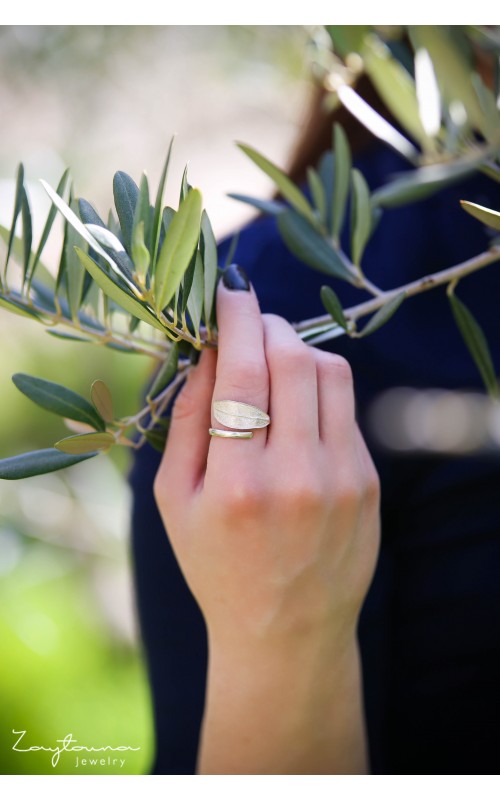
[(383, 314), (476, 343), (167, 371), (209, 252), (140, 253), (195, 299), (85, 443), (317, 193), (105, 238), (187, 281), (58, 399), (157, 438), (18, 308), (157, 217), (180, 242), (267, 206), (61, 186), (17, 210), (126, 194), (38, 462), (486, 215), (310, 247), (343, 161), (88, 214), (288, 189), (375, 123), (333, 305), (232, 249), (102, 400), (122, 298), (361, 216), (75, 273), (326, 171), (27, 232), (184, 185)]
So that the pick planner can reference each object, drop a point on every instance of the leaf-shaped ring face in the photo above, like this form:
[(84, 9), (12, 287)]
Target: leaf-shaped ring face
[(240, 416)]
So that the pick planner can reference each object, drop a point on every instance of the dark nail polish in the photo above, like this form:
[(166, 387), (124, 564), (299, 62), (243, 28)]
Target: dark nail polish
[(234, 277)]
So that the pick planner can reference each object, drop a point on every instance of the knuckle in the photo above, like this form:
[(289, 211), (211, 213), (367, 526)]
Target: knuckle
[(242, 498), (292, 360), (337, 366), (248, 376)]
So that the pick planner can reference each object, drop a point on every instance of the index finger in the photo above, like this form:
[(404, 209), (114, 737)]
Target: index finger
[(242, 372)]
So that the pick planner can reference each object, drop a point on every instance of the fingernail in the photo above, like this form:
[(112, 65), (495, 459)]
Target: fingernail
[(235, 278)]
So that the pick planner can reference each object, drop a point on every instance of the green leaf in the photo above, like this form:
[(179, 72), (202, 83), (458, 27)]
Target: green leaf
[(394, 85), (75, 273), (486, 215), (17, 210), (420, 183), (326, 171), (61, 186), (232, 249), (184, 185), (167, 371), (157, 438), (383, 314), (157, 217), (209, 251), (126, 194), (38, 462), (195, 299), (18, 308), (333, 306), (310, 247), (140, 253), (102, 400), (347, 38), (27, 232), (475, 340), (120, 296), (58, 399), (288, 189), (89, 215), (188, 281), (343, 163), (85, 443), (375, 123), (78, 225), (180, 242), (143, 211), (267, 206), (317, 193), (361, 216)]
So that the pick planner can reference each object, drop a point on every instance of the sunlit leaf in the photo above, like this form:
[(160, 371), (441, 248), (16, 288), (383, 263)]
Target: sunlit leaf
[(317, 193), (38, 462), (126, 194), (309, 246), (157, 217), (180, 241), (209, 251), (288, 189), (486, 215), (58, 399), (102, 399), (361, 216), (476, 343), (428, 97), (342, 174), (105, 237), (122, 298), (394, 85), (375, 123), (333, 305), (166, 372), (85, 443), (383, 314)]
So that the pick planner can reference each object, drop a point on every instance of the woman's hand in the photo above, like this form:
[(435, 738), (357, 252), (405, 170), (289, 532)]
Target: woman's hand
[(277, 537)]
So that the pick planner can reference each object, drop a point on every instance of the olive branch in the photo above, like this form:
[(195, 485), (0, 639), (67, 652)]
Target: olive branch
[(145, 280)]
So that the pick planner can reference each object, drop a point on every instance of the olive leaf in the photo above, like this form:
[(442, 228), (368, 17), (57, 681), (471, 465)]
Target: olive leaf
[(383, 315), (476, 343), (166, 372), (267, 206), (102, 399), (157, 215), (317, 193), (38, 462), (126, 194), (85, 443), (343, 161), (361, 216), (209, 252), (61, 186), (58, 399), (17, 210), (333, 306), (309, 246), (486, 215)]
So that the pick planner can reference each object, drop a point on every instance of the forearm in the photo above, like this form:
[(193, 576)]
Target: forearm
[(270, 714)]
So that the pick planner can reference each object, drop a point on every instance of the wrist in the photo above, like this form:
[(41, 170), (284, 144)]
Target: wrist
[(274, 711)]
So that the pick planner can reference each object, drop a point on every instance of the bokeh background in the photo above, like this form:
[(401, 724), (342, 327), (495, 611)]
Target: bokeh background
[(101, 99)]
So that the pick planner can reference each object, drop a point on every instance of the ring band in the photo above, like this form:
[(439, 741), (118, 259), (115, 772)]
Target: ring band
[(240, 416), (230, 434)]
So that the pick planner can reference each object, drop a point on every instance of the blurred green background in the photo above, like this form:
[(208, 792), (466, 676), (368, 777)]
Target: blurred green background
[(100, 99)]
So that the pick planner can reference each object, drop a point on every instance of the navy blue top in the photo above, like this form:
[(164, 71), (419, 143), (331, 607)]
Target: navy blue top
[(430, 626)]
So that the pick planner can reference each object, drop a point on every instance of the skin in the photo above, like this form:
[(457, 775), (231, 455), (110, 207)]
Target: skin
[(277, 537)]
